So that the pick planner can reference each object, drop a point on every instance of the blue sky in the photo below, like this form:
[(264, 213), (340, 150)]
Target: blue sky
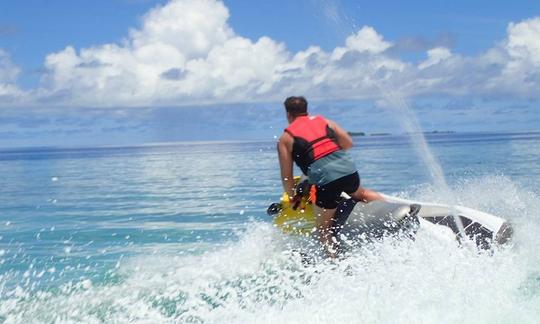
[(138, 71)]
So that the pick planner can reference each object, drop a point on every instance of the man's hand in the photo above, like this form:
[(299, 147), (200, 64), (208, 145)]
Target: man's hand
[(295, 201)]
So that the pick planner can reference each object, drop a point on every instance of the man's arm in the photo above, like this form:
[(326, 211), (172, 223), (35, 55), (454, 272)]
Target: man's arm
[(343, 138), (284, 148)]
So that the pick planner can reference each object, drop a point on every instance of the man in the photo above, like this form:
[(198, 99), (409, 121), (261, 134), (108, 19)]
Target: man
[(317, 146)]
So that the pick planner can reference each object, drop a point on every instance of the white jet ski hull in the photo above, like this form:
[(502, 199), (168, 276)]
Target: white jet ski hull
[(483, 228), (397, 215)]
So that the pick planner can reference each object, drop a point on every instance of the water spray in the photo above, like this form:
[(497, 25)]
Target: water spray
[(410, 124)]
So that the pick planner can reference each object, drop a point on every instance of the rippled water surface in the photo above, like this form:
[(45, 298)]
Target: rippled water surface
[(178, 234)]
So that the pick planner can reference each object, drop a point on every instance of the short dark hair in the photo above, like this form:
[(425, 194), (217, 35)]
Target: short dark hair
[(296, 106)]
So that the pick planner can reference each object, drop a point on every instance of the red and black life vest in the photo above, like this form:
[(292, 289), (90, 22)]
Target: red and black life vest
[(313, 139)]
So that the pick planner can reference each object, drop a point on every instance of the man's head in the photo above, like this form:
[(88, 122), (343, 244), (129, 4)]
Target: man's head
[(295, 106)]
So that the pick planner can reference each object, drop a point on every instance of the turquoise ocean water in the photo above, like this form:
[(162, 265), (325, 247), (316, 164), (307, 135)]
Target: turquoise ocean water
[(178, 233)]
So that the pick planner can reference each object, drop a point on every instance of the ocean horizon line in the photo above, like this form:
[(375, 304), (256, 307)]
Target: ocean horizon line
[(52, 148)]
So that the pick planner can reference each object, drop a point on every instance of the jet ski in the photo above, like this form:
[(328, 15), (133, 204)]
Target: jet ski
[(358, 221)]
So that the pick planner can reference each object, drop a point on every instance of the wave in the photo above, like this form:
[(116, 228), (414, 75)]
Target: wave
[(261, 278)]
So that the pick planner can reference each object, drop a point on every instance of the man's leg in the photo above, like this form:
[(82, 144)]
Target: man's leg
[(325, 221), (366, 195)]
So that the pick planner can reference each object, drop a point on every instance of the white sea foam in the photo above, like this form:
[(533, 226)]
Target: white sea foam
[(260, 278)]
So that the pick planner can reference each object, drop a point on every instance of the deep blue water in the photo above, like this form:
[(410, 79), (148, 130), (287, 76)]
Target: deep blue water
[(178, 233)]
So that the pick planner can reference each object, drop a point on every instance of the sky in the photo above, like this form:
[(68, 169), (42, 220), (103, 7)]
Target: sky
[(127, 72)]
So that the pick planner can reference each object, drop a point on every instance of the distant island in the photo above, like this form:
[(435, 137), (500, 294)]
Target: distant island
[(431, 132), (407, 133)]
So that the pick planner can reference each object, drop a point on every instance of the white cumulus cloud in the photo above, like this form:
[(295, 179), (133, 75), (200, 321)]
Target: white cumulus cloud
[(9, 72), (367, 40), (520, 60), (186, 53), (435, 56), (524, 40)]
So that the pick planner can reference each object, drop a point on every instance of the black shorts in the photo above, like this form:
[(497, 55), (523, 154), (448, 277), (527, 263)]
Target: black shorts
[(328, 195)]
